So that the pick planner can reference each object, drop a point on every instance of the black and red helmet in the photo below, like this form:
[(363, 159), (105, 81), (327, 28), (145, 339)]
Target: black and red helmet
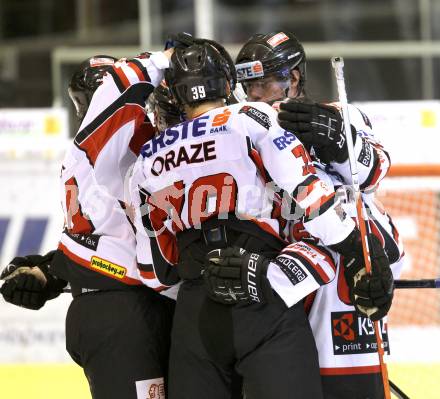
[(274, 53), (86, 80)]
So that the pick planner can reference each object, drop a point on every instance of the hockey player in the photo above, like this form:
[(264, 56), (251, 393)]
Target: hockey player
[(202, 185), (117, 329), (272, 67)]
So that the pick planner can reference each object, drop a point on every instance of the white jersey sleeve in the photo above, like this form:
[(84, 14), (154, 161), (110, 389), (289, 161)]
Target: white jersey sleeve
[(373, 161), (290, 167), (124, 74), (300, 269)]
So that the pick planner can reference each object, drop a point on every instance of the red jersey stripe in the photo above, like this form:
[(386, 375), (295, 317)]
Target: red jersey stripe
[(141, 135), (327, 256), (96, 141), (350, 370), (256, 159), (137, 70), (122, 76)]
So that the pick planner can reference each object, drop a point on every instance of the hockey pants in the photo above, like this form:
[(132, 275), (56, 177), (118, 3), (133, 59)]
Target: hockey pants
[(270, 346), (121, 340)]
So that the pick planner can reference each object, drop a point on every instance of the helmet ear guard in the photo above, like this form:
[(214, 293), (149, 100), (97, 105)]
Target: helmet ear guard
[(80, 101)]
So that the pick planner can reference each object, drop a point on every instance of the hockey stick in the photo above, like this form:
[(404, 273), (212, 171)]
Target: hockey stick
[(427, 283), (397, 391), (362, 217)]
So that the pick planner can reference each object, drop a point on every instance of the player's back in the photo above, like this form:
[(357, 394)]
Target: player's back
[(99, 235), (211, 166)]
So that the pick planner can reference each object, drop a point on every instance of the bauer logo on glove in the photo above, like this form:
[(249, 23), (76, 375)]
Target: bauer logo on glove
[(233, 275)]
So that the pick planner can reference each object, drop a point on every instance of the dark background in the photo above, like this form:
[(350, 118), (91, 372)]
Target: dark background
[(31, 29)]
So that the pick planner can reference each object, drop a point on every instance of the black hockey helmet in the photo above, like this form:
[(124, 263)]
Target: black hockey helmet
[(161, 104), (86, 80), (229, 60), (277, 52), (198, 73)]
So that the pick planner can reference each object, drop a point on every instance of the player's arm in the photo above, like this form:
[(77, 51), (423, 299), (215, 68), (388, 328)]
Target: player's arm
[(233, 275), (117, 111), (156, 246), (291, 168), (144, 73), (28, 281), (300, 269), (320, 127)]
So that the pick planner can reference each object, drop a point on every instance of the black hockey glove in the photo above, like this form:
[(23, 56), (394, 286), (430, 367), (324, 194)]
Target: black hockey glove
[(28, 282), (316, 125), (371, 294), (233, 275)]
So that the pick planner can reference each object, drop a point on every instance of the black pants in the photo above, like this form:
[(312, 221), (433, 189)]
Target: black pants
[(362, 386), (270, 346), (120, 338)]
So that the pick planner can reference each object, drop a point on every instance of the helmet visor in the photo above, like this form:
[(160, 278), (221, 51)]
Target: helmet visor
[(267, 89)]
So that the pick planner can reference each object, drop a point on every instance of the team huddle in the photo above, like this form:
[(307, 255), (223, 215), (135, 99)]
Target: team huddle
[(210, 243)]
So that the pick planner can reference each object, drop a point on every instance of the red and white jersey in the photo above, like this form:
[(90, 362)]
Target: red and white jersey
[(300, 269), (234, 159), (373, 161), (99, 235), (344, 339), (309, 265)]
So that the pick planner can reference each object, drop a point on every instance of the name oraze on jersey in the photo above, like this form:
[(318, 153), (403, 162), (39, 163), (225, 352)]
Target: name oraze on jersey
[(220, 163)]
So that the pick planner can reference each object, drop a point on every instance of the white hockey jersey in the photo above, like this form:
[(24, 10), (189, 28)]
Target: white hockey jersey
[(345, 340), (373, 161), (234, 159), (99, 235)]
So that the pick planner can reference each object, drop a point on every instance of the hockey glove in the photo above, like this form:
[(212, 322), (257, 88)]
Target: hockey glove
[(28, 282), (371, 294), (316, 125), (233, 275)]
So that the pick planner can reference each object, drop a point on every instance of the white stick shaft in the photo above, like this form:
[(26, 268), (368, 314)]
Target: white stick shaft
[(338, 65)]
